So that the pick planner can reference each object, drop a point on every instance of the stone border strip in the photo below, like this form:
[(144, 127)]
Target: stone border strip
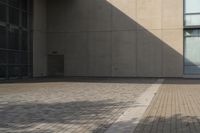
[(128, 121)]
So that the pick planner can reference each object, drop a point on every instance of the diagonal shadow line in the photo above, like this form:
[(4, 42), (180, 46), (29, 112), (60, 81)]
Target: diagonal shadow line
[(161, 60), (149, 63), (58, 112), (147, 41)]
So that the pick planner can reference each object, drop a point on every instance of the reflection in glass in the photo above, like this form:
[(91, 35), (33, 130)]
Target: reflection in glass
[(14, 3), (24, 58), (192, 20), (24, 70), (192, 33), (3, 57), (13, 39), (15, 45), (192, 6), (14, 16), (192, 54), (2, 71), (24, 40), (24, 19), (14, 58), (2, 12), (24, 4), (14, 71), (2, 37)]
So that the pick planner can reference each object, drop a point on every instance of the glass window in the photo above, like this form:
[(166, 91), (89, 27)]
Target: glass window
[(24, 4), (15, 54), (13, 39), (14, 71), (3, 57), (24, 39), (30, 70), (24, 58), (31, 59), (14, 58), (192, 54), (3, 0), (14, 16), (30, 23), (2, 37), (14, 3), (192, 70), (192, 33), (3, 71), (192, 6), (24, 19), (192, 20), (30, 5), (24, 70), (2, 12)]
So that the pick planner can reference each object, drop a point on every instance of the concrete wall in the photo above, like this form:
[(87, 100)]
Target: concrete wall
[(39, 38), (120, 38)]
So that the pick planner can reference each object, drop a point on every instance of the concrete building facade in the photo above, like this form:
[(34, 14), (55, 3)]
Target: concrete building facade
[(113, 38)]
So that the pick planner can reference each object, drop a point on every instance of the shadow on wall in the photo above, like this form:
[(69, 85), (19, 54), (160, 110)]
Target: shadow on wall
[(112, 43), (103, 39)]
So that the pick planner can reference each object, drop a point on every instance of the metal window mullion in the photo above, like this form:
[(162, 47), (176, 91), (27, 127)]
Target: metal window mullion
[(7, 39), (28, 37), (29, 26), (194, 13)]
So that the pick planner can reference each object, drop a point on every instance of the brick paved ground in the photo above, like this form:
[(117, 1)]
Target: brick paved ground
[(175, 109), (62, 107)]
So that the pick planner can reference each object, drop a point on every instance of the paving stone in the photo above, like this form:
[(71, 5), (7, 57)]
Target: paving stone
[(66, 107), (174, 109)]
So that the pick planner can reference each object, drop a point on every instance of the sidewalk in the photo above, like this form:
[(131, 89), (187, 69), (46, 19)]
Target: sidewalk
[(175, 109), (80, 106)]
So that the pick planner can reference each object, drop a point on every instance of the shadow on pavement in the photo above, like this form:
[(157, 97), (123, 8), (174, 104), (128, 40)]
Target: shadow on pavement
[(174, 124), (15, 117)]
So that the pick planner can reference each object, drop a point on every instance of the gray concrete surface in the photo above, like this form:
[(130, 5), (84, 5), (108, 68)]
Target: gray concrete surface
[(132, 38), (66, 107)]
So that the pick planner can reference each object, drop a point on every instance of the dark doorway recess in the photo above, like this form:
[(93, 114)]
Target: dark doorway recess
[(55, 65)]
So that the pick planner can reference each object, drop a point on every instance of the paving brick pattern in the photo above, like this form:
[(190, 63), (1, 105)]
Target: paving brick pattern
[(175, 109), (65, 107)]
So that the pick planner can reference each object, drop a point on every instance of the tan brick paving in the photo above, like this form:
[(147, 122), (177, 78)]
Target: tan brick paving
[(66, 107), (174, 109)]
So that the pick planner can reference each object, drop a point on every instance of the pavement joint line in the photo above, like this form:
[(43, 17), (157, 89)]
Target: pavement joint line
[(129, 120)]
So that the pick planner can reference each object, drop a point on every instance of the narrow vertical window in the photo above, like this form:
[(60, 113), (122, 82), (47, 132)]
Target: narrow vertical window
[(192, 12), (192, 37)]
